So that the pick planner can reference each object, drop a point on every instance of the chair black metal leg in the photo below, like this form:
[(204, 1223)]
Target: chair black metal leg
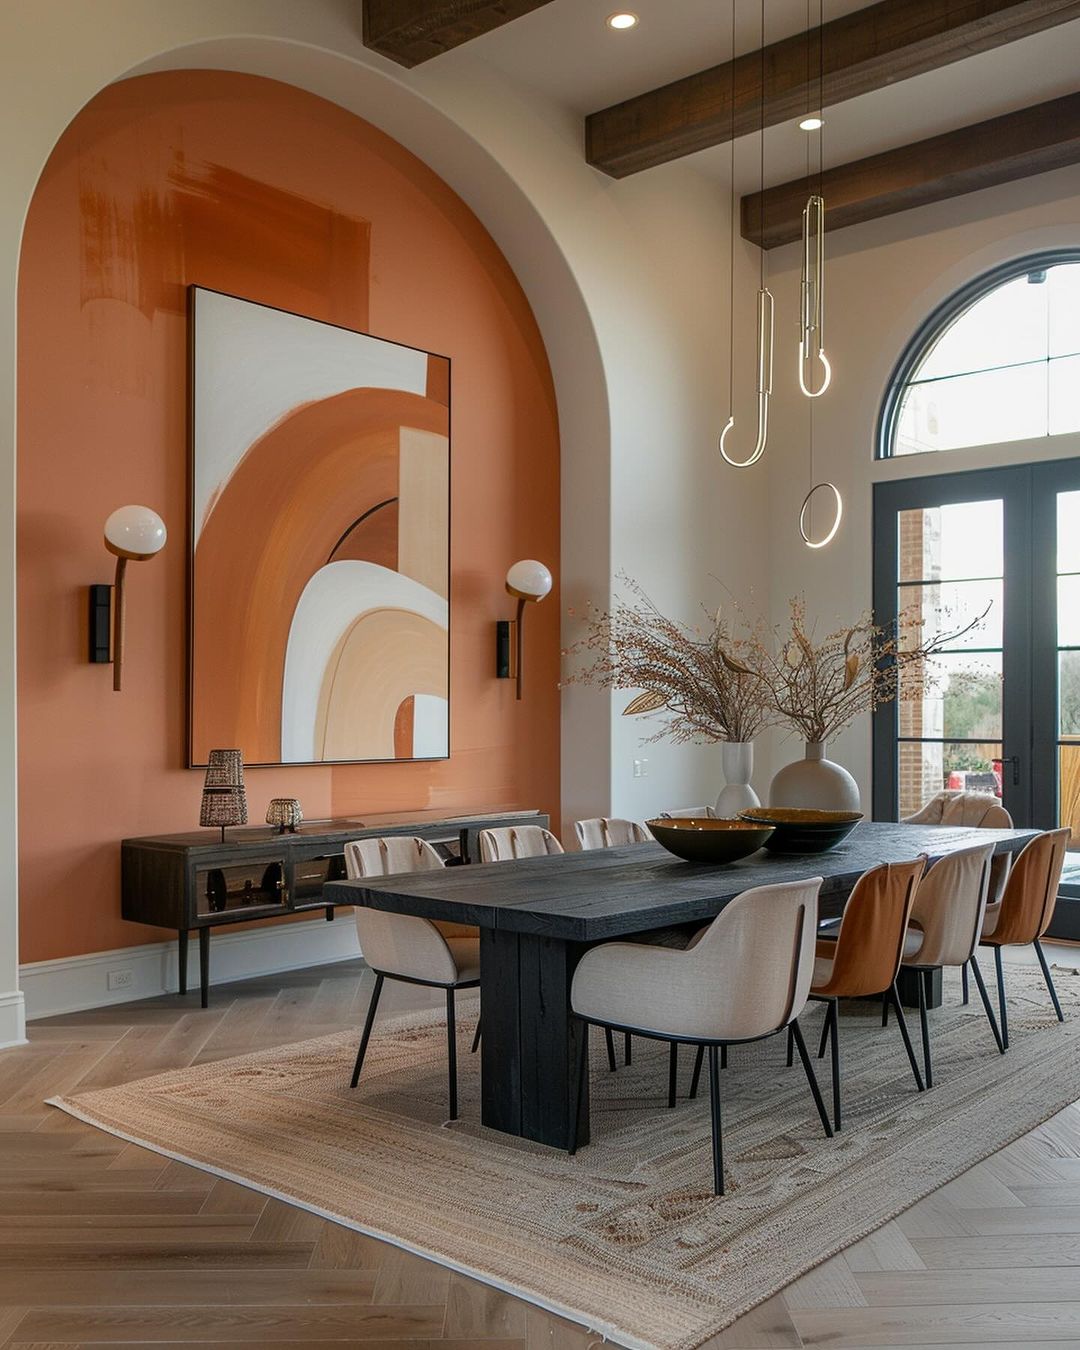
[(963, 984), (627, 1048), (1003, 1008), (476, 1036), (981, 985), (832, 1021), (723, 1056), (1048, 978), (884, 1010), (579, 1088), (790, 1047), (672, 1072), (717, 1135), (825, 1026), (924, 1026), (902, 1022), (369, 1022), (451, 1050), (795, 1035), (699, 1060), (609, 1040)]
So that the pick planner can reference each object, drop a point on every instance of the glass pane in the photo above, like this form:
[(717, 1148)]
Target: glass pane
[(983, 409), (1068, 614), (1063, 295), (1064, 377), (942, 609), (1068, 532), (933, 766), (951, 543), (1007, 326), (1069, 693), (960, 697), (1069, 795)]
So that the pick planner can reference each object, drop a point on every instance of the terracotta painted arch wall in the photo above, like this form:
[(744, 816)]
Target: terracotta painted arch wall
[(251, 187)]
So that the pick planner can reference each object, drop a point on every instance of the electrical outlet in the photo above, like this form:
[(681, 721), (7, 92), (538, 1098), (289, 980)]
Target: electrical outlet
[(641, 768), (121, 979)]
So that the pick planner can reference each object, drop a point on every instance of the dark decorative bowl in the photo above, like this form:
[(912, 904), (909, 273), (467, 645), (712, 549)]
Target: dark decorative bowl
[(801, 831), (702, 839)]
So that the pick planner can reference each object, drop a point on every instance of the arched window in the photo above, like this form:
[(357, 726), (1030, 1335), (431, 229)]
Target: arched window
[(999, 361)]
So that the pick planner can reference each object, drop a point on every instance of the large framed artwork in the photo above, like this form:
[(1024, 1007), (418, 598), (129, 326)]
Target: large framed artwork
[(320, 540)]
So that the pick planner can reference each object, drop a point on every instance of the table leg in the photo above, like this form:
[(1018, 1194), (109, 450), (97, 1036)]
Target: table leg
[(181, 957), (531, 1040), (907, 984), (204, 965)]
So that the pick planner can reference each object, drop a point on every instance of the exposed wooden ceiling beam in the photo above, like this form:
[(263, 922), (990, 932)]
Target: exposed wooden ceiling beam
[(412, 31), (863, 51), (1017, 145)]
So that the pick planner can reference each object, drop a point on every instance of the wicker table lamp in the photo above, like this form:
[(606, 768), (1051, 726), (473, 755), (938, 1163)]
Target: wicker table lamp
[(224, 801)]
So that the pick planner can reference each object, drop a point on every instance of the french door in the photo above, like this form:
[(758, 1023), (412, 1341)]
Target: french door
[(1000, 712)]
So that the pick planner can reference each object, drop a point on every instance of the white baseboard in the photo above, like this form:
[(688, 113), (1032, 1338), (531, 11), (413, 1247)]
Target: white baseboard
[(74, 983), (12, 1019)]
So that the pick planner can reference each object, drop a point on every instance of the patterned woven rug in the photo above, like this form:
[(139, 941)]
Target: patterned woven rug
[(626, 1237)]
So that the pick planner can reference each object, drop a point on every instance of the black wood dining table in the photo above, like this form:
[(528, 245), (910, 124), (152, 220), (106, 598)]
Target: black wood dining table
[(538, 915)]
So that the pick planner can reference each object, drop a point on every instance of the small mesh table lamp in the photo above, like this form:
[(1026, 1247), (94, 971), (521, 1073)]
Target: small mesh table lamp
[(285, 813), (224, 800)]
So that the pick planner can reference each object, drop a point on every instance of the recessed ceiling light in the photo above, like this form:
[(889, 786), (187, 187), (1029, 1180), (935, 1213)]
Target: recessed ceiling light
[(623, 19), (811, 123)]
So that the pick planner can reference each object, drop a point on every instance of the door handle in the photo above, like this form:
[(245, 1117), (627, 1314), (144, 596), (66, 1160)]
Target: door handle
[(1014, 760)]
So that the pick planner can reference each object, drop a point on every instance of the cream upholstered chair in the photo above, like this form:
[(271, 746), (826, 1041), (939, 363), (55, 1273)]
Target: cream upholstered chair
[(864, 960), (976, 810), (945, 926), (689, 813), (404, 947), (1024, 912), (744, 977), (601, 832), (517, 841)]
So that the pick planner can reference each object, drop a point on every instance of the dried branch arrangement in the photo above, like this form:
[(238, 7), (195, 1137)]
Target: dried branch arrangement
[(719, 685)]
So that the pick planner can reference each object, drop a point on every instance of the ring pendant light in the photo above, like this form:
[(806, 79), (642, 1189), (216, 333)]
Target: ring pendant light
[(837, 517)]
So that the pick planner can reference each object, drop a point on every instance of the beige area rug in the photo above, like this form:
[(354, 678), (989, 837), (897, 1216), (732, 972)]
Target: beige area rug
[(626, 1237)]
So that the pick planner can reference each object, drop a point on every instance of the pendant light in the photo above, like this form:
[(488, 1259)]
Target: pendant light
[(764, 300)]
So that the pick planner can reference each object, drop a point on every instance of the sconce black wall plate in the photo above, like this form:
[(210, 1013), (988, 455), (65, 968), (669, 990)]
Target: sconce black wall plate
[(502, 649), (100, 624)]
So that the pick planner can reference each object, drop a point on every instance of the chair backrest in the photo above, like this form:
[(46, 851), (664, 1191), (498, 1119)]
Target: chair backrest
[(756, 960), (384, 857), (689, 813), (949, 906), (517, 841), (601, 832), (974, 809), (870, 942), (1031, 891)]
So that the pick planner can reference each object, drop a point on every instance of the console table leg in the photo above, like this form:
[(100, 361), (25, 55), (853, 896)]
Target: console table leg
[(181, 957), (329, 913), (204, 965)]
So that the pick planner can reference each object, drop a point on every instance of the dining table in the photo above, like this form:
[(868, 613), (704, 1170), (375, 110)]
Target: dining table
[(537, 916)]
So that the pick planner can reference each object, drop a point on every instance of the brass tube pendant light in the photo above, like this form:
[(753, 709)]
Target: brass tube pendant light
[(765, 299), (812, 285)]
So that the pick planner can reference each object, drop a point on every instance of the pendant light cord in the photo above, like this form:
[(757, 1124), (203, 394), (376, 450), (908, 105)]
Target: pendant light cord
[(731, 225)]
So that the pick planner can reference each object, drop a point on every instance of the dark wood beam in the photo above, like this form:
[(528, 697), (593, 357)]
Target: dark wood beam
[(1017, 145), (412, 31), (863, 51)]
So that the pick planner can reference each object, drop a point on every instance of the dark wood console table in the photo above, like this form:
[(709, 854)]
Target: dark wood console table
[(194, 881)]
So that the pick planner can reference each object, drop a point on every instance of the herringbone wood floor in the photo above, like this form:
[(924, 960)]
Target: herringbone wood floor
[(105, 1244)]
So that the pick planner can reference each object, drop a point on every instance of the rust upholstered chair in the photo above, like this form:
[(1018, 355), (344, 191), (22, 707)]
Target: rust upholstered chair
[(1024, 912), (604, 833), (946, 923), (405, 947), (744, 977), (865, 958), (517, 841)]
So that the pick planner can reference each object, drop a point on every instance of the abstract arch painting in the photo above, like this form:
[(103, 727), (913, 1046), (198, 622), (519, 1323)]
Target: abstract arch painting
[(320, 520)]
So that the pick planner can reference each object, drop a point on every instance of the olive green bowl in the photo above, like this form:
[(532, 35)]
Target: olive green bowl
[(702, 839)]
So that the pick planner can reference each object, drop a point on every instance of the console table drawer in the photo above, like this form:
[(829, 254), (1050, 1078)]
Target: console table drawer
[(255, 884)]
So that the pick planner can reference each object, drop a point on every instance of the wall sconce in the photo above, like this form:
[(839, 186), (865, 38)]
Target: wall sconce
[(132, 533), (526, 580)]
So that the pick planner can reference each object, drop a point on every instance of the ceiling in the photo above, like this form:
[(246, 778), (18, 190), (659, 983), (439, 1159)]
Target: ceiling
[(566, 52)]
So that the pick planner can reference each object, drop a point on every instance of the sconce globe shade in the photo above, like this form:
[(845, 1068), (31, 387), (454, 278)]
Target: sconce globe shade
[(135, 532), (528, 580)]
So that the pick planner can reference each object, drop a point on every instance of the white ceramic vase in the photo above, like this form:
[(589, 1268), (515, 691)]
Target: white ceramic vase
[(737, 761), (815, 783)]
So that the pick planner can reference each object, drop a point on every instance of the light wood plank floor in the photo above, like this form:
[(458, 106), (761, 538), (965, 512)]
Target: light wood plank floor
[(105, 1244)]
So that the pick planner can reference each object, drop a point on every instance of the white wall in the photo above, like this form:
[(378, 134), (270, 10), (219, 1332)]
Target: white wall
[(883, 278)]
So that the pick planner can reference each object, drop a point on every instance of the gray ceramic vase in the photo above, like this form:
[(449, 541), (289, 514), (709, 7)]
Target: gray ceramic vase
[(815, 783)]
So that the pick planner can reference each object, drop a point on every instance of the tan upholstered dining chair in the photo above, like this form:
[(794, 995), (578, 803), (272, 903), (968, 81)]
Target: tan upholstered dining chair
[(974, 810), (1024, 912), (744, 977), (864, 960), (601, 832), (407, 948), (946, 923), (517, 841)]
